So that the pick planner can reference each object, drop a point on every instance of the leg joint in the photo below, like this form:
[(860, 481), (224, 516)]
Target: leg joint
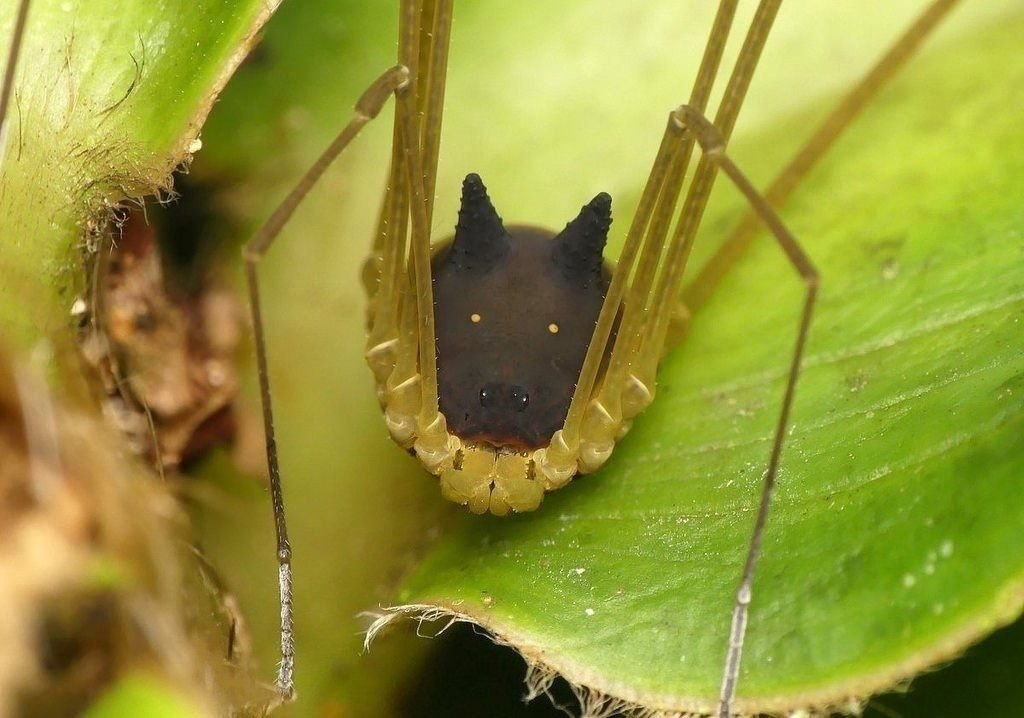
[(372, 100), (693, 120)]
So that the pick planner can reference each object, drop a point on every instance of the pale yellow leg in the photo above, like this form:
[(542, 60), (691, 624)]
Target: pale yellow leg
[(594, 420), (400, 348)]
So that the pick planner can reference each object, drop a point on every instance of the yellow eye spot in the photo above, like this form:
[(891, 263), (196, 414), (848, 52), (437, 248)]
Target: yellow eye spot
[(553, 328), (475, 318)]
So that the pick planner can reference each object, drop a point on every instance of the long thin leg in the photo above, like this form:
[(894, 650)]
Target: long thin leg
[(713, 145), (435, 71), (391, 347), (401, 345), (432, 436), (786, 182), (655, 331), (383, 274), (644, 241), (627, 385), (368, 107), (17, 35)]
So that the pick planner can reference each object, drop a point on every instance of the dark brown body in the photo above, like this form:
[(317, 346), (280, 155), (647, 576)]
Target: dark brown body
[(514, 310)]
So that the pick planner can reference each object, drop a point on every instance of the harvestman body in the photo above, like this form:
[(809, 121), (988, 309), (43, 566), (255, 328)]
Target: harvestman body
[(499, 429)]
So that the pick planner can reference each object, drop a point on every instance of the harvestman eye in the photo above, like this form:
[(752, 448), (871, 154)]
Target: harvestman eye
[(520, 399)]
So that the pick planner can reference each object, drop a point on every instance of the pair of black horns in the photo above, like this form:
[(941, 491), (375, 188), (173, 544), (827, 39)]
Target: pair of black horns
[(481, 239)]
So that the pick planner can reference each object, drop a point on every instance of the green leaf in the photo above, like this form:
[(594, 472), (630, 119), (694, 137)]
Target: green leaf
[(108, 99), (898, 467), (141, 695)]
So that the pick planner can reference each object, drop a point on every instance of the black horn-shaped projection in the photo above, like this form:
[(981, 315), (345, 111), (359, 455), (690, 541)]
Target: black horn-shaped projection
[(480, 237), (578, 248)]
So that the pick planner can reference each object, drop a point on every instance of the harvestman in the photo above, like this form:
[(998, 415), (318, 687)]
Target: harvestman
[(496, 453)]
